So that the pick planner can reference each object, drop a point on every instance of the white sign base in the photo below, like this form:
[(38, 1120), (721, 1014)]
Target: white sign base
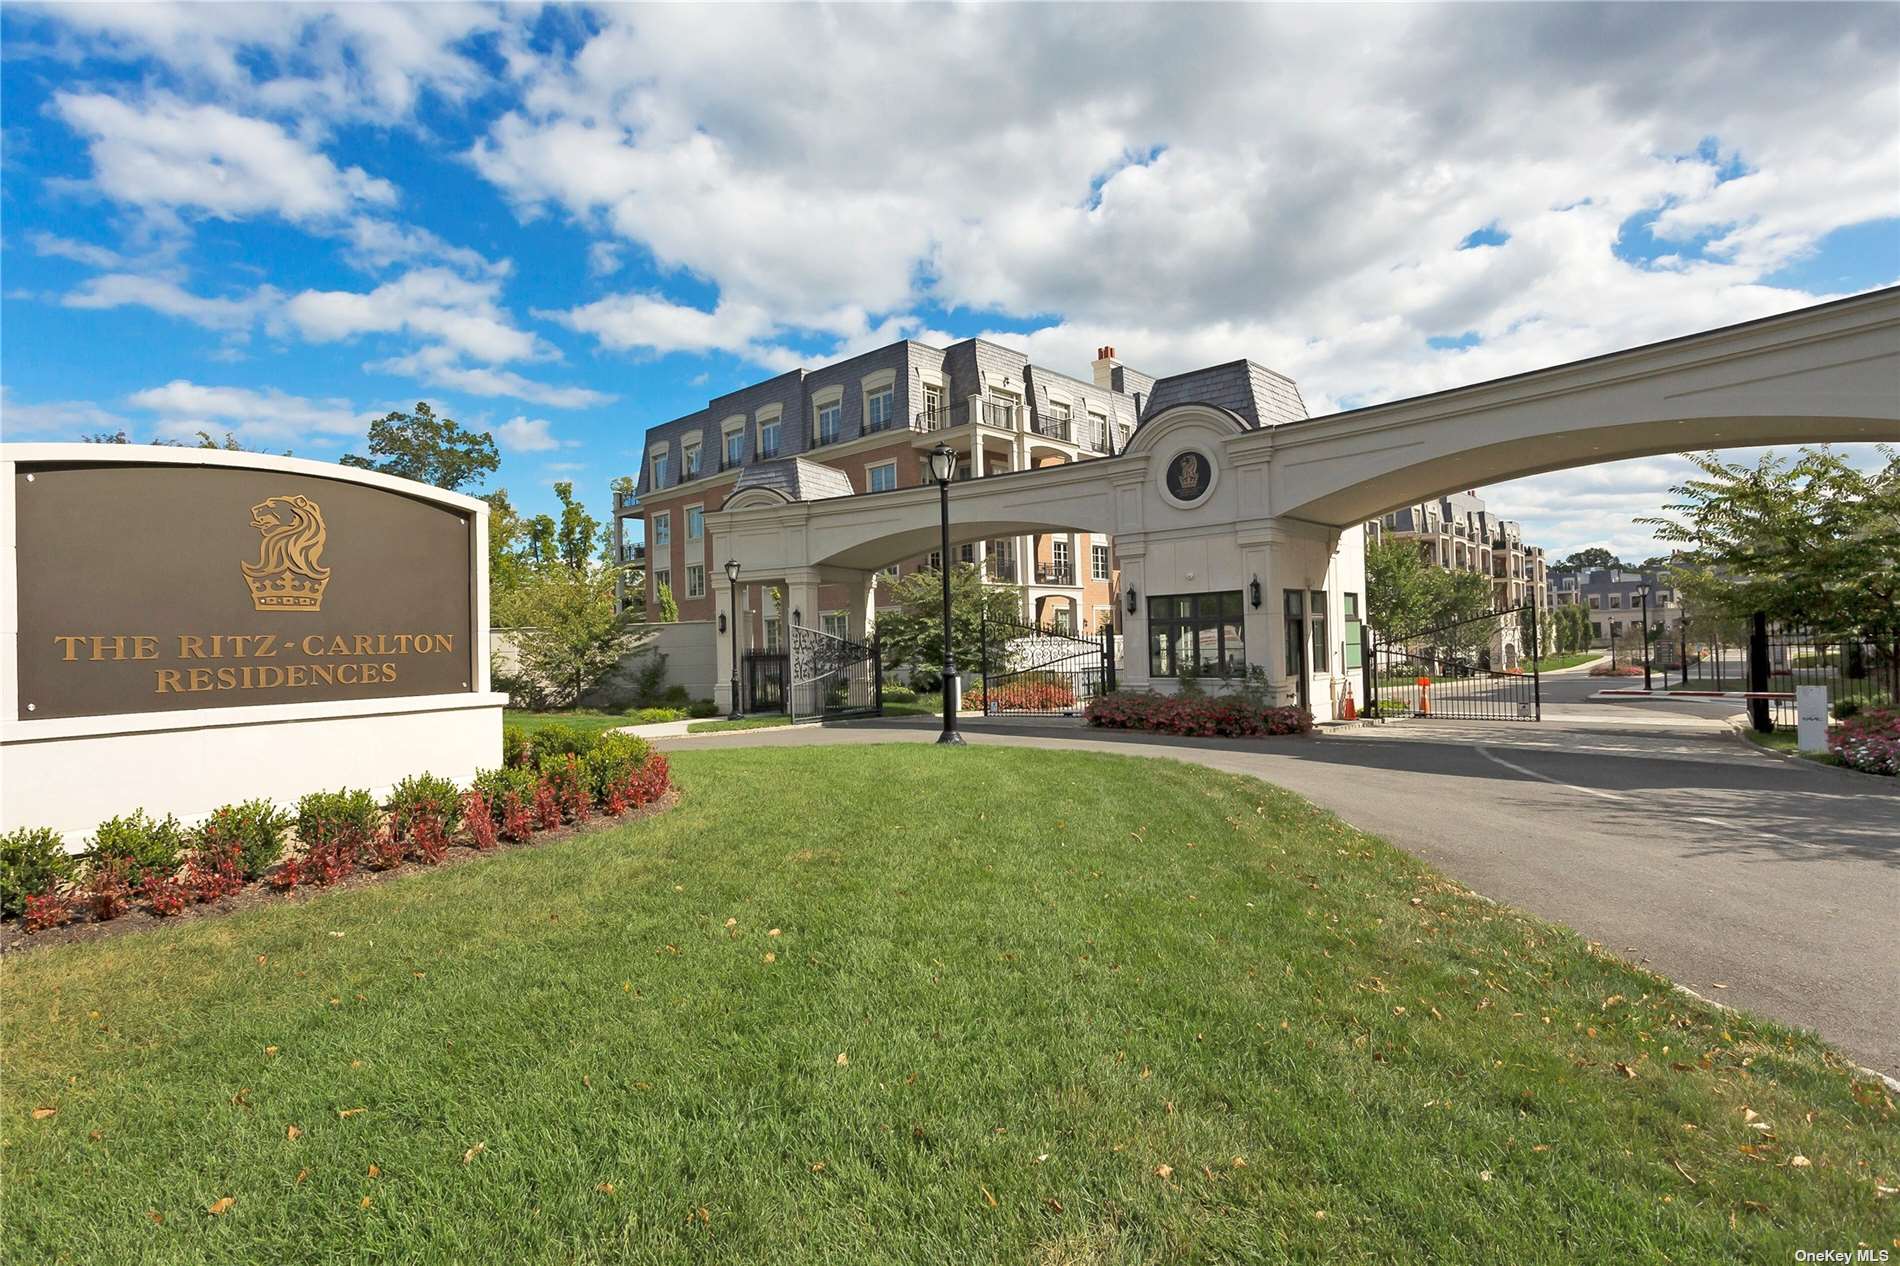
[(1810, 705)]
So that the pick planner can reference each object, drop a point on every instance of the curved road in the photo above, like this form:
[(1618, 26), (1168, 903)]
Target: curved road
[(1652, 828)]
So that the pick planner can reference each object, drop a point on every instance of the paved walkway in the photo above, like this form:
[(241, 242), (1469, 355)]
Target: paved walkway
[(1754, 881)]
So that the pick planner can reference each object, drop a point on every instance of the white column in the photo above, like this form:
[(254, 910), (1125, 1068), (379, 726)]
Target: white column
[(801, 595), (723, 607), (862, 606)]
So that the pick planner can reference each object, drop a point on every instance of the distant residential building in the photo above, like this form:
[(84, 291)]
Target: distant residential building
[(1457, 533), (1614, 598)]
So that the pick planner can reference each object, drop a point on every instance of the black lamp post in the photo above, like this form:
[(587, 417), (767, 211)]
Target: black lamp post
[(943, 465), (1642, 591), (732, 577)]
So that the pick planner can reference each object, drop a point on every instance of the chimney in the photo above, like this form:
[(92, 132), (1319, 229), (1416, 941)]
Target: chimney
[(1105, 364)]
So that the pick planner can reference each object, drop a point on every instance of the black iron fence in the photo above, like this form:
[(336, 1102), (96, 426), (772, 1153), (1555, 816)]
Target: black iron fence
[(832, 677), (1479, 669), (1040, 670), (765, 673)]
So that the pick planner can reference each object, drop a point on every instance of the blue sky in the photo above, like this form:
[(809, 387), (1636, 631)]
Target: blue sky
[(564, 225)]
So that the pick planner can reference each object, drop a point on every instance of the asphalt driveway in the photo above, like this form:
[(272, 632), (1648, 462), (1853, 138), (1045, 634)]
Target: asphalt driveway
[(1753, 880)]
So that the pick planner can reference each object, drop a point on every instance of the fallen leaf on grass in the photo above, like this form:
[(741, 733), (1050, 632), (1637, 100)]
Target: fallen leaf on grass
[(364, 1204), (270, 1051), (1484, 1175), (843, 1059), (158, 1219), (473, 1152), (301, 1175), (605, 1188), (41, 1114), (1240, 1162), (988, 1199), (1626, 1070), (222, 1207), (732, 923), (1164, 1171), (817, 1167), (292, 1133), (1799, 1162), (375, 1171), (1055, 1205), (770, 957), (347, 1113), (773, 932)]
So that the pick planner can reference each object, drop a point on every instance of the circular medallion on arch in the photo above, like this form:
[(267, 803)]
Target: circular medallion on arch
[(1188, 477)]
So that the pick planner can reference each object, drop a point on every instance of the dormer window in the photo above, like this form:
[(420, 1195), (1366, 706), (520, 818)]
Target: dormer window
[(659, 469)]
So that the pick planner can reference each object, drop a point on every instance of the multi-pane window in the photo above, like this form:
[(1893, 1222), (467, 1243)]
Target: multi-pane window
[(1063, 621), (828, 422), (660, 528), (774, 633), (1295, 632), (1196, 635), (835, 624), (662, 579), (735, 446), (1616, 602), (1353, 636), (768, 438), (689, 461), (933, 403), (934, 561), (879, 409), (659, 470), (1322, 660), (695, 522), (882, 477), (695, 580), (1098, 561), (1059, 559), (967, 553)]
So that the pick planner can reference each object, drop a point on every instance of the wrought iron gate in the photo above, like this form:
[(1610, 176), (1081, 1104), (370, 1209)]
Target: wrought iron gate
[(1479, 669), (1039, 670), (765, 681), (832, 677)]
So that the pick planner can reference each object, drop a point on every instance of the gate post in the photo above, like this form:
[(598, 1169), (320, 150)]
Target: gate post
[(877, 671), (1369, 671), (1107, 636), (983, 656), (1759, 715), (1537, 678)]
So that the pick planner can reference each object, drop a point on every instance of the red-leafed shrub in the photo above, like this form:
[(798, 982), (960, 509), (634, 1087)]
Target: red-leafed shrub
[(1616, 670), (49, 909), (1031, 695), (566, 780), (287, 876), (517, 818), (324, 864), (646, 783), (385, 851), (108, 887), (509, 794), (424, 811), (1201, 715), (428, 841), (547, 806), (164, 896), (1869, 740), (480, 820), (214, 873), (255, 829)]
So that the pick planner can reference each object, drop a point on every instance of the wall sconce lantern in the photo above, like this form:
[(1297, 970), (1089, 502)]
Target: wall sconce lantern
[(1253, 592), (722, 621), (798, 617), (1131, 600)]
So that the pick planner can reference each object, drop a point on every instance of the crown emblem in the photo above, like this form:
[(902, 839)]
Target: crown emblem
[(286, 575), (1190, 474)]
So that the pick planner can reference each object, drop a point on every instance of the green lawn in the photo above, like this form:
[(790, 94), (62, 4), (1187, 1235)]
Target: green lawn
[(582, 719), (1785, 740), (1571, 659), (1024, 1006), (764, 722)]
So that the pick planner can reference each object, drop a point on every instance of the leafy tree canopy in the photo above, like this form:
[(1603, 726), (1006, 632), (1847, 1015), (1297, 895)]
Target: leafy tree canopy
[(1595, 556), (429, 449), (565, 632), (910, 632), (1809, 538)]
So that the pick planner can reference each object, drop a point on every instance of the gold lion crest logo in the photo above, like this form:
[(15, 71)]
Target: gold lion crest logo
[(1188, 472), (286, 575)]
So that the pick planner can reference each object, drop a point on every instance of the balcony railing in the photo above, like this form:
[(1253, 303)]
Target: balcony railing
[(1053, 427), (1048, 574), (1003, 569), (625, 497), (937, 419), (826, 437), (730, 463), (997, 413)]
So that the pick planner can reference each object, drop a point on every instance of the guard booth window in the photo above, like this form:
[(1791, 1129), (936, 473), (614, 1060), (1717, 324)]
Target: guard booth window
[(1196, 635), (1322, 651), (1353, 636), (1295, 633)]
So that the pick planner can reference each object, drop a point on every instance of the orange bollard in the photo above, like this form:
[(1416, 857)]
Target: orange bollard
[(1424, 696)]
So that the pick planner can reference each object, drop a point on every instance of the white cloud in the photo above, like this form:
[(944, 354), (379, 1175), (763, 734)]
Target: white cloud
[(87, 253), (650, 323), (603, 259), (461, 313), (439, 367), (377, 244), (172, 155), (528, 435), (118, 290), (270, 416), (55, 419)]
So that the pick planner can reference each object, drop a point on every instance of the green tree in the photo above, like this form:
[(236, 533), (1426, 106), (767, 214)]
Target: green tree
[(669, 609), (1809, 539), (509, 560), (566, 634), (1402, 589), (578, 530), (432, 450), (1595, 556), (910, 631)]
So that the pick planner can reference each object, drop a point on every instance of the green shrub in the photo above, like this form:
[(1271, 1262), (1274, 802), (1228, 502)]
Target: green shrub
[(899, 694), (255, 829), (558, 740), (32, 859), (653, 716), (346, 818), (146, 845), (1845, 708), (499, 786), (614, 758), (702, 708), (517, 745), (675, 697), (425, 802)]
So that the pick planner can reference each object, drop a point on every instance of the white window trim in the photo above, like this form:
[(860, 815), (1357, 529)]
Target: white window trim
[(661, 452), (662, 519), (877, 466), (1107, 569), (690, 569), (687, 515), (822, 400)]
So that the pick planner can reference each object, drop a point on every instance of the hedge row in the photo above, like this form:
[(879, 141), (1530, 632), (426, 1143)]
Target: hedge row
[(556, 776), (1204, 715)]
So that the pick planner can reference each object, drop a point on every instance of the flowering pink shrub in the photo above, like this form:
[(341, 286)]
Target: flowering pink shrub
[(1868, 741), (1023, 696), (1196, 715), (1616, 670)]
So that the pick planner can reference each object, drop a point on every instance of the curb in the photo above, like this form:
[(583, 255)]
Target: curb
[(1740, 730)]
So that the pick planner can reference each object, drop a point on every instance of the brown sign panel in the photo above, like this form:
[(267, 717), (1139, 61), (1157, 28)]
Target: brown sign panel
[(161, 588)]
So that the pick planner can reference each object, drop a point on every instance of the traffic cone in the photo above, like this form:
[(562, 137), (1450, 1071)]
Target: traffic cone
[(1346, 710)]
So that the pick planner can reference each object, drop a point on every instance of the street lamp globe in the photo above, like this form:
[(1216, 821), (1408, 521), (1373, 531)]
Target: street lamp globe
[(732, 570), (943, 463)]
